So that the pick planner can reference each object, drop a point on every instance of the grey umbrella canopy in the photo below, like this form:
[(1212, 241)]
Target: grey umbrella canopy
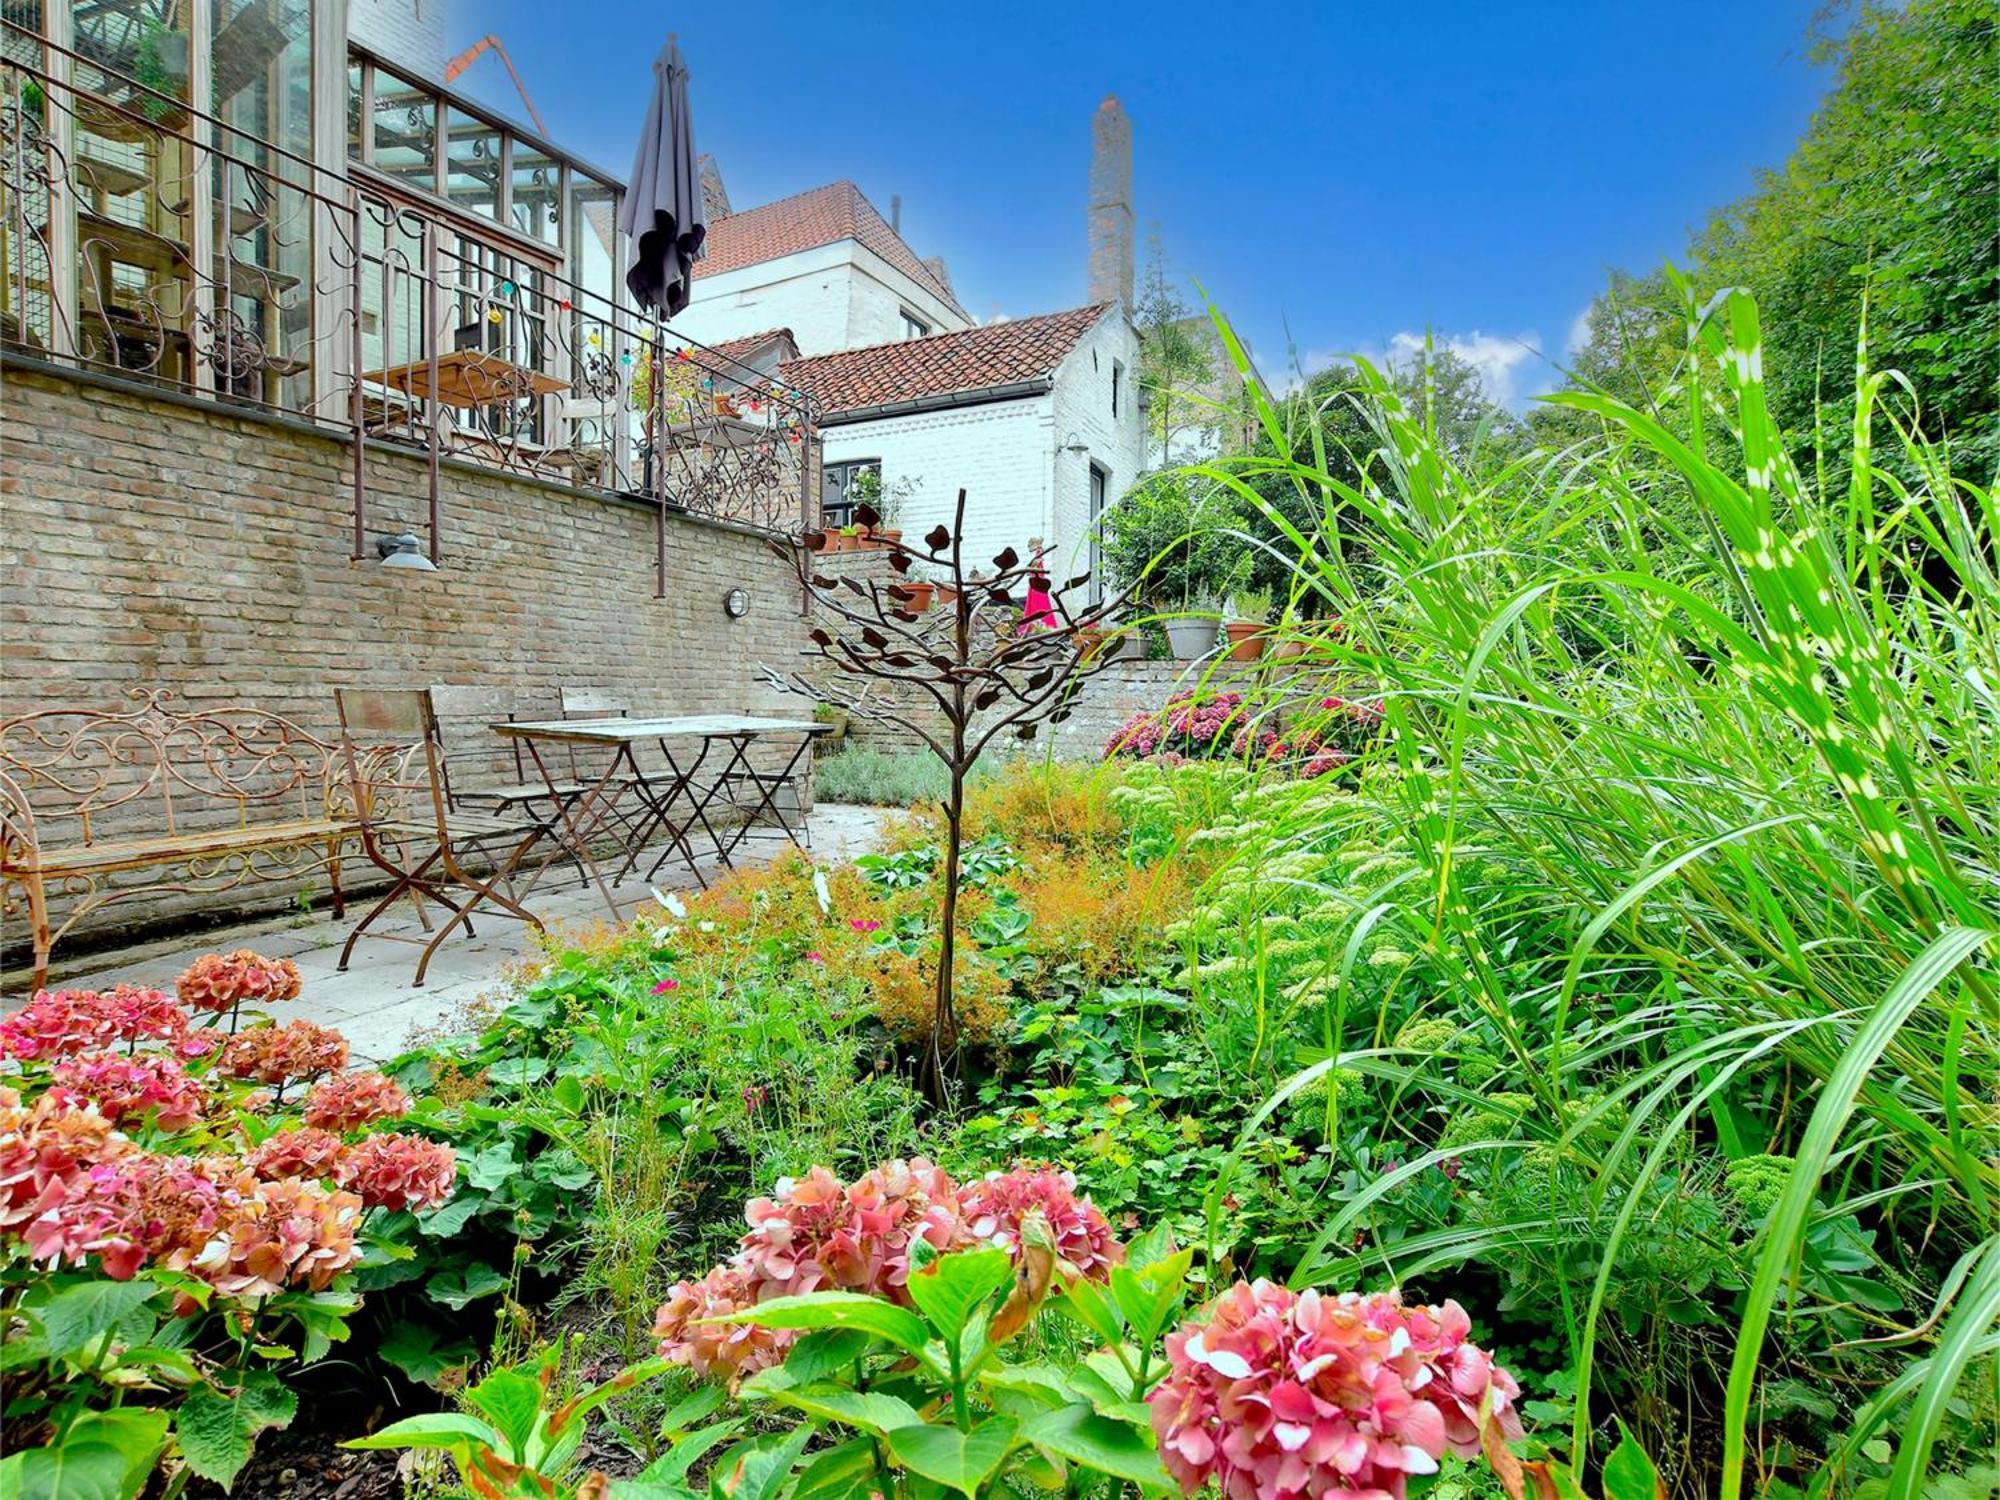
[(662, 211)]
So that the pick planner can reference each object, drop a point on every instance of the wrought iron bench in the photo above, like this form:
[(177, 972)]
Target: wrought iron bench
[(108, 805)]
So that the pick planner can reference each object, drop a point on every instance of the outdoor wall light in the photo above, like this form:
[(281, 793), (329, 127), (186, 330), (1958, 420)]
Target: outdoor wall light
[(403, 551), (736, 603), (1075, 444)]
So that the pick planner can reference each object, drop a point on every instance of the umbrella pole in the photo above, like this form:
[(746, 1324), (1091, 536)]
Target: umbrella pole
[(659, 425)]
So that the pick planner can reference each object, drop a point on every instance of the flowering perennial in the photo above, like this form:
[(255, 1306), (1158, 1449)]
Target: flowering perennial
[(398, 1171), (347, 1101), (221, 982), (283, 1054), (818, 1234), (304, 1152), (61, 1023), (1282, 1393), (124, 1088), (1190, 725)]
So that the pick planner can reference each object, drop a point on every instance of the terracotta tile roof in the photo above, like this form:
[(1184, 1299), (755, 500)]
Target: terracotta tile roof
[(944, 364), (805, 221)]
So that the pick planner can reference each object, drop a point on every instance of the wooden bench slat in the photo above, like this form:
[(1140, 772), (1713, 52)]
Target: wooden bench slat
[(133, 854)]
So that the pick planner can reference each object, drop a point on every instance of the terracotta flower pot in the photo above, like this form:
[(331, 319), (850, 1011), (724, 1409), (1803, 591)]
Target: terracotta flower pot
[(1246, 639), (914, 597)]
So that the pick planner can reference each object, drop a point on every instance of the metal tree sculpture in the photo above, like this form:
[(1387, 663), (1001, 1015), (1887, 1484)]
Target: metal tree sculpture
[(987, 665)]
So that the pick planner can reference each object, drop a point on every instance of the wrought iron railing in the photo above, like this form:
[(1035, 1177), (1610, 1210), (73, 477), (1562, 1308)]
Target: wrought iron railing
[(144, 239)]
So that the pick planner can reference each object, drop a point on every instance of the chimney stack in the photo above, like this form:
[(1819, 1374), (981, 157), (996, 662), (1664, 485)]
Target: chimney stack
[(714, 196), (896, 212), (1111, 204)]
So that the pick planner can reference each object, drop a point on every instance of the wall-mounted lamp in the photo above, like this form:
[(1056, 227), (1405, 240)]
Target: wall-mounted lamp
[(736, 603), (1075, 445), (403, 551)]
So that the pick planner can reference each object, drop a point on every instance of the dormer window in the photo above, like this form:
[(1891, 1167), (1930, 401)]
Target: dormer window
[(914, 327)]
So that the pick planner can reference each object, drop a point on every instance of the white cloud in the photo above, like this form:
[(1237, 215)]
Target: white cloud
[(1579, 332), (1505, 362)]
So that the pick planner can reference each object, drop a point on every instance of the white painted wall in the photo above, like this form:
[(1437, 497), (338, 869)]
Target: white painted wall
[(1082, 412), (1000, 453), (832, 297), (409, 33)]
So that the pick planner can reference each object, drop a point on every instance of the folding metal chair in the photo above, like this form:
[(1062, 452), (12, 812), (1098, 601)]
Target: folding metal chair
[(395, 765), (482, 775)]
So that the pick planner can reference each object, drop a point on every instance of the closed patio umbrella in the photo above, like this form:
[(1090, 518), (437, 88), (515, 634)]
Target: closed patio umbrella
[(662, 211)]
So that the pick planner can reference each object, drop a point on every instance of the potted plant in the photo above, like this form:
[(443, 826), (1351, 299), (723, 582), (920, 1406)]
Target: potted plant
[(836, 736), (1192, 635), (1249, 613), (913, 595)]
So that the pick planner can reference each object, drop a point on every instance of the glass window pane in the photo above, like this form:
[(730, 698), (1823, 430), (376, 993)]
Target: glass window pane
[(354, 110), (593, 240), (472, 149), (405, 132), (536, 209)]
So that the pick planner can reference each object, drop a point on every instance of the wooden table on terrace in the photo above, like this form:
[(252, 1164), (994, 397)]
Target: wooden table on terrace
[(467, 379), (676, 802)]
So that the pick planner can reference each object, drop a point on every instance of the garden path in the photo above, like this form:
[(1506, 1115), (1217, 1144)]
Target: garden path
[(373, 1003)]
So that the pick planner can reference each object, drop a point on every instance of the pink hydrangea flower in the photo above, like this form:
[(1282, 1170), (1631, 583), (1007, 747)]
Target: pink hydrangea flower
[(687, 1334), (399, 1171), (126, 1212), (347, 1101), (665, 985), (1190, 724), (217, 982), (817, 1234), (994, 1207), (302, 1152), (278, 1234), (125, 1088), (61, 1023), (1283, 1393), (47, 1143), (279, 1055)]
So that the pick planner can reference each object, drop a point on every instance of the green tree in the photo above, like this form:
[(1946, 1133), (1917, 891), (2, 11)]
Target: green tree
[(1178, 361)]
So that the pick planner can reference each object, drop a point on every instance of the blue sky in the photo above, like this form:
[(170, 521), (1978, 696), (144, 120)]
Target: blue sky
[(1340, 177)]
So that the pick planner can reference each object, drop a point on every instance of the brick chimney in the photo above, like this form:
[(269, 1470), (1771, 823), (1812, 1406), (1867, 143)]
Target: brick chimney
[(1111, 204), (714, 196)]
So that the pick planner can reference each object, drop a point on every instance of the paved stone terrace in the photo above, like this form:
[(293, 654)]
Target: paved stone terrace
[(374, 1003)]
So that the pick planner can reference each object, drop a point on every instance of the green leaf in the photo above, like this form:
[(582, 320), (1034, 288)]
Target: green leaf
[(449, 1430), (820, 1354), (490, 1166), (1628, 1473), (1787, 1221), (1148, 1295), (73, 1318), (757, 1470), (953, 1286), (961, 1461), (73, 1471), (885, 1320), (511, 1401), (1087, 1303), (838, 1473), (871, 1411), (517, 1072), (414, 1349), (218, 1428), (670, 1467), (1100, 1444), (453, 1217), (457, 1288), (567, 1095)]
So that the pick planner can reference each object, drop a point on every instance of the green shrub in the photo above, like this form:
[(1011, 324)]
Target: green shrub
[(879, 778)]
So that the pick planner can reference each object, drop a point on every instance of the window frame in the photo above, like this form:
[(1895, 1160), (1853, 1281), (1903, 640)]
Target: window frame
[(841, 512), (915, 327)]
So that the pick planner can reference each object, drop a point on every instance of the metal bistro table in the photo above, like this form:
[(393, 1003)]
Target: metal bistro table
[(676, 801)]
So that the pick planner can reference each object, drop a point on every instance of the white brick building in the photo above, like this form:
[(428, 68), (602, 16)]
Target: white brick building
[(1037, 419)]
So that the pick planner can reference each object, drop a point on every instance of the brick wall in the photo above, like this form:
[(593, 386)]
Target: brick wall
[(152, 543)]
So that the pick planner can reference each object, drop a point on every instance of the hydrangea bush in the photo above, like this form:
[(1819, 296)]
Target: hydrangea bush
[(143, 1145)]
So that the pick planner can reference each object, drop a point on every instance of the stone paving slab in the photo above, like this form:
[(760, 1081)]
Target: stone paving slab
[(374, 1003)]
